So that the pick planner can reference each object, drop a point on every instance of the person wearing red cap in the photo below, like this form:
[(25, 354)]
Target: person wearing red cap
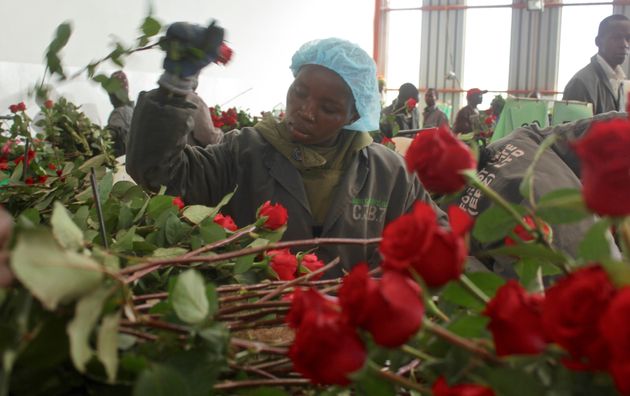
[(464, 121)]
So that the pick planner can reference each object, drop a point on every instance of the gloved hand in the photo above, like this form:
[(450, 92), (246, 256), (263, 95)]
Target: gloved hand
[(189, 48)]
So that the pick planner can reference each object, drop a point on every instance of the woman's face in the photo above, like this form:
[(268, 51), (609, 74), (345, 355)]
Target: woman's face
[(319, 105)]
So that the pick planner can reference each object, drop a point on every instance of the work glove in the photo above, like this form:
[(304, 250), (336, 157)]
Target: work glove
[(189, 48)]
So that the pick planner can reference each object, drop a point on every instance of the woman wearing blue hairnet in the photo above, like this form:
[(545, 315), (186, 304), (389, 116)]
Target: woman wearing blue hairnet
[(318, 162)]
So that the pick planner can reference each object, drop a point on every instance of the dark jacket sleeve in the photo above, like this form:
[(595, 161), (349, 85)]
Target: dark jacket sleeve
[(157, 153)]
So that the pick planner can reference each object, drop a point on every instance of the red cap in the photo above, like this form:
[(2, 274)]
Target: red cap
[(474, 91)]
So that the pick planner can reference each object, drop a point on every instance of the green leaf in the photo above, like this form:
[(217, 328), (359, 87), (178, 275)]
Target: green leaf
[(211, 232), (174, 229), (197, 213), (107, 345), (94, 162), (213, 299), (125, 241), (87, 312), (168, 252), (224, 201), (244, 263), (159, 204), (81, 216), (189, 298), (596, 246), (150, 26), (125, 218), (65, 230), (161, 381), (562, 206), (530, 274), (120, 188), (494, 224), (105, 187), (487, 282), (368, 384), (508, 381), (533, 250), (52, 274), (469, 325), (32, 215)]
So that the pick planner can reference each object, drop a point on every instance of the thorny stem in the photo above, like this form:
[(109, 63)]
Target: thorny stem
[(467, 284), (241, 307), (460, 342), (254, 325), (243, 252), (254, 315), (280, 288), (227, 385), (220, 243), (397, 379), (417, 353), (251, 369), (257, 346)]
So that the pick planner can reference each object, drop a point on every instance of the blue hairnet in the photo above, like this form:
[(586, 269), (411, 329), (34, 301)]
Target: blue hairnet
[(356, 68)]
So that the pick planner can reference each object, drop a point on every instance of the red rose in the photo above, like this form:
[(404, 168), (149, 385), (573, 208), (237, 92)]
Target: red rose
[(615, 328), (386, 141), (438, 157), (311, 263), (283, 263), (276, 215), (31, 155), (408, 236), (571, 314), (225, 54), (48, 104), (4, 165), (14, 108), (411, 104), (441, 388), (391, 308), (59, 172), (216, 119), (309, 302), (441, 255), (225, 221), (516, 321), (42, 179), (52, 166), (525, 236), (29, 180), (21, 106), (177, 201), (326, 348), (605, 165)]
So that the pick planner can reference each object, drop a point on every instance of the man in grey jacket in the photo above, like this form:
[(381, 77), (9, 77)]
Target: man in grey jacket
[(601, 81), (319, 162)]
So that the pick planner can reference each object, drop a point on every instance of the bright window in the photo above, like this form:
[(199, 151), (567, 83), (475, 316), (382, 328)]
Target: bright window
[(487, 50), (403, 46), (578, 28)]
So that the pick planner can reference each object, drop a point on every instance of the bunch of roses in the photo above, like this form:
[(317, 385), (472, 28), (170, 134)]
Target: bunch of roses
[(286, 266), (390, 309), (220, 119), (605, 167), (439, 158), (328, 346), (584, 313), (14, 108)]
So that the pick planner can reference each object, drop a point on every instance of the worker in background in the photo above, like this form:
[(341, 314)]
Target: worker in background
[(468, 115), (432, 117), (403, 110), (319, 162), (119, 120), (601, 81)]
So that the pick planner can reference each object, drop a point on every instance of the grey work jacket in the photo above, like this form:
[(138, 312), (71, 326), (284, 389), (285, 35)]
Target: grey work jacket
[(592, 85), (374, 190), (557, 168)]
